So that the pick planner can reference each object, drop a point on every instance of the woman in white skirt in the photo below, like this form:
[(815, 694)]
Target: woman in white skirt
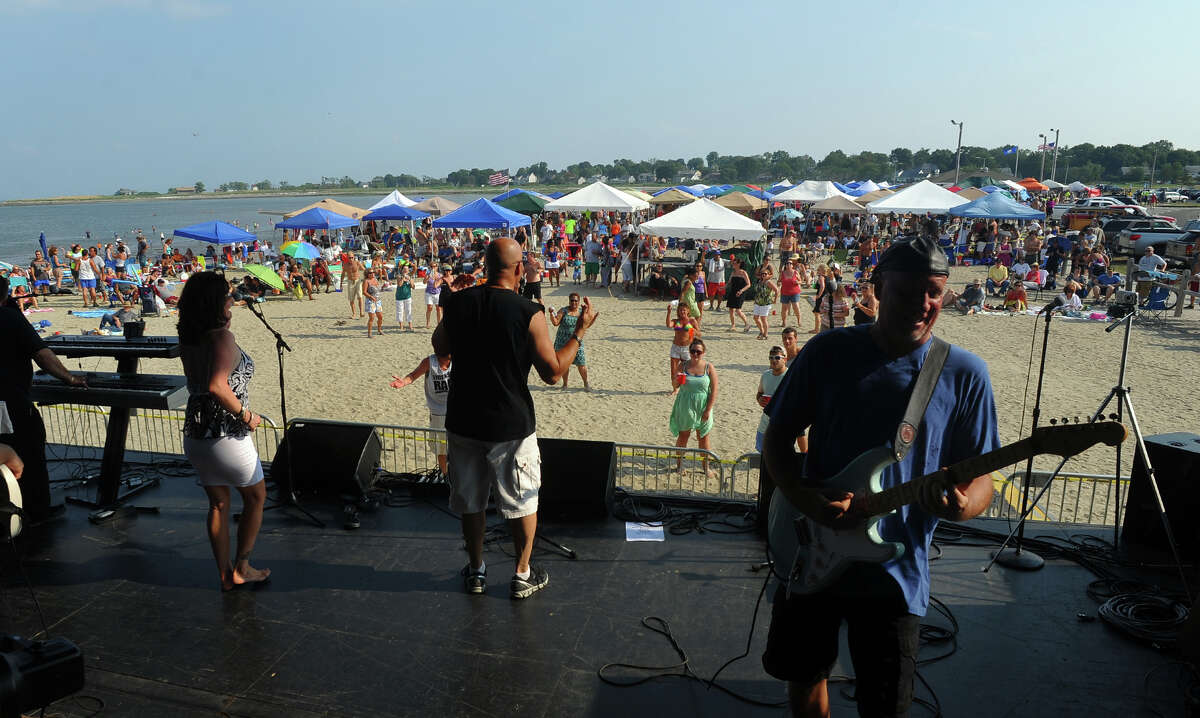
[(217, 426)]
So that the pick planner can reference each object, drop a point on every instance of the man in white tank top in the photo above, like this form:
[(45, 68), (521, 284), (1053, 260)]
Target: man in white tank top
[(436, 370)]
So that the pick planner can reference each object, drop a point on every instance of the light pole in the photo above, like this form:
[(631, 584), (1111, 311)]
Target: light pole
[(1042, 147), (957, 152), (1054, 163)]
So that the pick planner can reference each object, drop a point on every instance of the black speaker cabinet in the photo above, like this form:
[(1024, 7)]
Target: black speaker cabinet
[(577, 479), (1176, 461), (328, 458)]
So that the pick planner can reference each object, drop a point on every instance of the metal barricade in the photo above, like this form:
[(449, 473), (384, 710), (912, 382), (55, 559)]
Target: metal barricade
[(670, 471), (80, 431), (1087, 499)]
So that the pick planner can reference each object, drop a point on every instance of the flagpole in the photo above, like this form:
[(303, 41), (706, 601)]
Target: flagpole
[(1016, 160)]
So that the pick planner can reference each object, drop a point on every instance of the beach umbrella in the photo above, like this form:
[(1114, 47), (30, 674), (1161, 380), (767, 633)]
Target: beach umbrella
[(42, 241), (6, 266), (215, 232), (437, 206), (268, 276), (788, 214), (301, 250)]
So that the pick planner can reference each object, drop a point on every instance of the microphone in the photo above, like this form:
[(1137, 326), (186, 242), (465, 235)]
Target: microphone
[(1058, 302)]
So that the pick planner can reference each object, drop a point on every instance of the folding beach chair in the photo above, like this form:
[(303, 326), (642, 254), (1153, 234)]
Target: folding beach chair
[(1156, 304)]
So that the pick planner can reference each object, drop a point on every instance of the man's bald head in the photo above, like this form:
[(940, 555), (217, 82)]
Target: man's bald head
[(502, 254)]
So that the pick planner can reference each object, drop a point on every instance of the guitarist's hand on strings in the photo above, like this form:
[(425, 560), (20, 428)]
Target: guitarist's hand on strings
[(946, 501)]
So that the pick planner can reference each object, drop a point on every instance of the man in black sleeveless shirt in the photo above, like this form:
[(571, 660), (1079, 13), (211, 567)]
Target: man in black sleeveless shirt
[(21, 425), (495, 336)]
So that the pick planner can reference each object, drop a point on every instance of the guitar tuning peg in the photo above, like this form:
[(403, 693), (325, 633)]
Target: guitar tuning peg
[(1066, 420), (1053, 422), (1113, 416), (1077, 420)]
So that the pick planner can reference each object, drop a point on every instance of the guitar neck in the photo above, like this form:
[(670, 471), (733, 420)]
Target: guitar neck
[(907, 493)]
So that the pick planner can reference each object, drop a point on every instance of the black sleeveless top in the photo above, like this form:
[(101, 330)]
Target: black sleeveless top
[(488, 331)]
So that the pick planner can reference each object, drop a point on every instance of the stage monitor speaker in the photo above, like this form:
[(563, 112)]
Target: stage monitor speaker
[(577, 479), (1176, 461), (328, 458)]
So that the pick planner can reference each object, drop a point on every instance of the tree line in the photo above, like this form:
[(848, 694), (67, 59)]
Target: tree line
[(1086, 162)]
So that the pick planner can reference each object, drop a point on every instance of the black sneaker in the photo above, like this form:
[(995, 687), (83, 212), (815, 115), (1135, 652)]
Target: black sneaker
[(474, 581), (526, 587)]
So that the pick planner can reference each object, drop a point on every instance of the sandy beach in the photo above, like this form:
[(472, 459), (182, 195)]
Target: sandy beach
[(336, 372)]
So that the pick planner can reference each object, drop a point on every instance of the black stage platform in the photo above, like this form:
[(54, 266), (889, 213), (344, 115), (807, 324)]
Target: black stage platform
[(374, 622)]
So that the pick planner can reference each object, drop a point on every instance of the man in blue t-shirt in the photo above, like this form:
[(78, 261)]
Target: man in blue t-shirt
[(849, 388)]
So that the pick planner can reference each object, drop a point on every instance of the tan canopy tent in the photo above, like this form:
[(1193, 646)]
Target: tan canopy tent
[(437, 206), (333, 206), (673, 196), (740, 202), (640, 194), (872, 196), (972, 193), (840, 204)]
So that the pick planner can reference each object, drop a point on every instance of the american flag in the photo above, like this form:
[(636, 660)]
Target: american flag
[(1046, 147), (499, 178)]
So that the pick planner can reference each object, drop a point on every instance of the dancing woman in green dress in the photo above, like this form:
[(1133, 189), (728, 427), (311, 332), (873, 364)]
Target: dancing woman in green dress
[(694, 401)]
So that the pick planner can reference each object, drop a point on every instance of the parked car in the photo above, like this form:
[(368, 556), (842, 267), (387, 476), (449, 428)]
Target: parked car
[(1190, 193)]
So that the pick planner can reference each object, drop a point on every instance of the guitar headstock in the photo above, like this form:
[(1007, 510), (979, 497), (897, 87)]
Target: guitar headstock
[(1070, 439)]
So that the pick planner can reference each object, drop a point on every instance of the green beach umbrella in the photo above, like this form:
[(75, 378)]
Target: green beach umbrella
[(266, 274)]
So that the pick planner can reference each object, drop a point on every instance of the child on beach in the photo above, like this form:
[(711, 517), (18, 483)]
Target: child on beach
[(577, 270), (436, 370), (685, 330)]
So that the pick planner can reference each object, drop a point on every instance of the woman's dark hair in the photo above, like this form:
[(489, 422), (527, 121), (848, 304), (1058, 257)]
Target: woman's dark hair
[(201, 306)]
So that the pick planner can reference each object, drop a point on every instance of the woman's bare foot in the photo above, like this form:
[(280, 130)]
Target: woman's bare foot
[(249, 574)]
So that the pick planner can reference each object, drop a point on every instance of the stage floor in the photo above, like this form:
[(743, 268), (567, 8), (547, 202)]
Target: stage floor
[(374, 622)]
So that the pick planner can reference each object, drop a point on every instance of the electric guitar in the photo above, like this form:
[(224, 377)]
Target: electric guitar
[(818, 554), (10, 492)]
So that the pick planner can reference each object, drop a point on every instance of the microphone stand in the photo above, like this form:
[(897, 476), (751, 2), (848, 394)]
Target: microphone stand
[(287, 491), (1018, 557)]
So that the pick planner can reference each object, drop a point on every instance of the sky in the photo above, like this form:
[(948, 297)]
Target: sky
[(151, 94)]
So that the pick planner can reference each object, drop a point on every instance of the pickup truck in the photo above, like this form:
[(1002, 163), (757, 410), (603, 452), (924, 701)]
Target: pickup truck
[(1185, 250), (1132, 242)]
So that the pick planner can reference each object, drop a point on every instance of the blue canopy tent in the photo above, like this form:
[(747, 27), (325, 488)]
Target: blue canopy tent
[(483, 214), (996, 206), (216, 233), (395, 211), (556, 195), (717, 190), (317, 218)]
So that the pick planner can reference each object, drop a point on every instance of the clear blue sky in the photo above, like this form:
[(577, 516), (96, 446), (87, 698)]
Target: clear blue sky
[(149, 94)]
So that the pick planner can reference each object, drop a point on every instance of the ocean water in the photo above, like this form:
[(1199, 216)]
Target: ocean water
[(66, 224)]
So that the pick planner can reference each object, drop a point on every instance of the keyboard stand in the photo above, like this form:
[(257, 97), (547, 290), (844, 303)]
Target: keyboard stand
[(108, 489)]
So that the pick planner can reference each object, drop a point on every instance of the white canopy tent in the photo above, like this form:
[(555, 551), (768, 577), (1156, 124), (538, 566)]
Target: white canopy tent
[(867, 186), (809, 191), (919, 198), (704, 219), (1077, 186), (394, 198), (1012, 185), (1053, 185), (598, 197)]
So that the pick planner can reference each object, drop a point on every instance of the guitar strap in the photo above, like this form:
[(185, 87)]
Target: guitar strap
[(906, 433)]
